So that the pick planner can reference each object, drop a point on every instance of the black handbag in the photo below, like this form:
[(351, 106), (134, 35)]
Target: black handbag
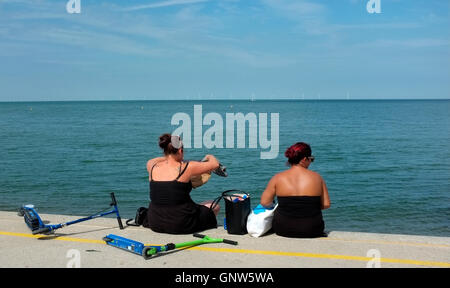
[(141, 215), (237, 209)]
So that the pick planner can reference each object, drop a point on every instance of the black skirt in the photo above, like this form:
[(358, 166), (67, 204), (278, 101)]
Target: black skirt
[(185, 218), (299, 217), (172, 210)]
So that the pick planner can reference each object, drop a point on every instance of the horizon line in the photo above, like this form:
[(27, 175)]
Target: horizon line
[(225, 99)]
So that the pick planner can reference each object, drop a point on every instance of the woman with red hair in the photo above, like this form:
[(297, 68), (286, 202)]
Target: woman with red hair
[(302, 195)]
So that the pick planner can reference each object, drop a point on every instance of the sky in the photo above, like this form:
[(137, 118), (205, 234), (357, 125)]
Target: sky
[(224, 49)]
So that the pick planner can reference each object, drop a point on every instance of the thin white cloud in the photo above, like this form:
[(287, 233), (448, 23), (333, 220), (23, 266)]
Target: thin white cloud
[(163, 4), (15, 1), (373, 26), (100, 41), (405, 43), (186, 32)]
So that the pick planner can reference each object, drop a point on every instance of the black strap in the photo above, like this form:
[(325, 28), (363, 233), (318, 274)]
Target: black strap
[(128, 222), (227, 193), (217, 200), (151, 171), (181, 173), (232, 190)]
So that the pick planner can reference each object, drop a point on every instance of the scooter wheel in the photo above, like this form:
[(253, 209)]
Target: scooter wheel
[(107, 240), (145, 254), (20, 212)]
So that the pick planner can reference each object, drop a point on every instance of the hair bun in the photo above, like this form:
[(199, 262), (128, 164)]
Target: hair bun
[(297, 152), (290, 152), (164, 141)]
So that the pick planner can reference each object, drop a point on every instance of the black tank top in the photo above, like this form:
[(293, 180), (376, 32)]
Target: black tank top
[(300, 206), (299, 216), (170, 192)]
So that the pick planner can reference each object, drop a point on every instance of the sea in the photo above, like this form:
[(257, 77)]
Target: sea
[(386, 162)]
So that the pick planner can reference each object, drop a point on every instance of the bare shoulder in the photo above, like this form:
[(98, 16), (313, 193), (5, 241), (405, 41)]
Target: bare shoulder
[(150, 164), (272, 181), (316, 175), (279, 175), (153, 161)]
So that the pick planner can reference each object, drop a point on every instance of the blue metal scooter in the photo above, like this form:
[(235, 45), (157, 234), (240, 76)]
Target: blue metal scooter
[(37, 226)]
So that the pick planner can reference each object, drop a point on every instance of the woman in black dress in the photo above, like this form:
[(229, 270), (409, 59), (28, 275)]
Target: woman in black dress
[(302, 195), (171, 208)]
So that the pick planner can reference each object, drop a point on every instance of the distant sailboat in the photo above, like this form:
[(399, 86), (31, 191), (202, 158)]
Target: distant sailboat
[(252, 99)]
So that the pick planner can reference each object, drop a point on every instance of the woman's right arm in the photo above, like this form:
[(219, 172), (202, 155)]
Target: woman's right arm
[(198, 168), (325, 198), (269, 193)]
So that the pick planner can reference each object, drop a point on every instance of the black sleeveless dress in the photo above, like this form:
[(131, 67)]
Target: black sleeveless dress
[(299, 217), (172, 210)]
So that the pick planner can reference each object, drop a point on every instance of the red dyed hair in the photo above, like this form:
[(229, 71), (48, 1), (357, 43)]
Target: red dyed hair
[(297, 152)]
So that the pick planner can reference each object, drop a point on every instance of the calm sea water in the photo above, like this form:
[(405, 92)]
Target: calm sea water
[(386, 163)]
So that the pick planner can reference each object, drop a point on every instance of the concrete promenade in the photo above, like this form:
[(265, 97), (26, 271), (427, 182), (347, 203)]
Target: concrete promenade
[(19, 248)]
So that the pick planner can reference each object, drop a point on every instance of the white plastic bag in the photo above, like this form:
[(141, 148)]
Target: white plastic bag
[(260, 220)]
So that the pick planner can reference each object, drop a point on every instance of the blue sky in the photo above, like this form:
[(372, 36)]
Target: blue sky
[(223, 49)]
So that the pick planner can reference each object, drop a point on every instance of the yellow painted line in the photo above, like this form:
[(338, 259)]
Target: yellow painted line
[(325, 256), (81, 240), (387, 242), (60, 238), (257, 252), (402, 243)]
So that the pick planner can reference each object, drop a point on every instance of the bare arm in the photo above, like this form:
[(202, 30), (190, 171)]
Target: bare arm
[(269, 194), (198, 168), (325, 198)]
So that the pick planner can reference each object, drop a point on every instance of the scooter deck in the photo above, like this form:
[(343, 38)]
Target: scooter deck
[(125, 244), (149, 251)]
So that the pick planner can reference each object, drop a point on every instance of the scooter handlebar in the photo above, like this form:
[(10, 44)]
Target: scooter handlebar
[(113, 199), (226, 241), (231, 242)]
